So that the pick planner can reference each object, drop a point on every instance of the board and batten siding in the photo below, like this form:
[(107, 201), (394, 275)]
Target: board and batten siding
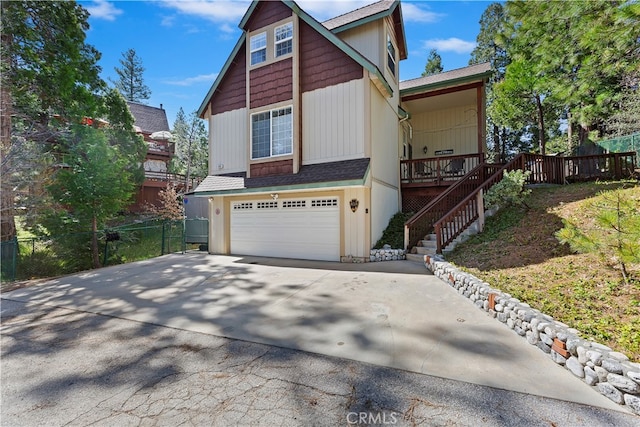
[(368, 39), (333, 123), (228, 142), (449, 129)]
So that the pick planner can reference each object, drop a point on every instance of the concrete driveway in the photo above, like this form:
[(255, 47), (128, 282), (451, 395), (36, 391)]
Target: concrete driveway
[(392, 314)]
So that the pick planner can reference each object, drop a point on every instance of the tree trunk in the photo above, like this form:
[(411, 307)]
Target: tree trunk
[(541, 130), (496, 142), (95, 251), (7, 201), (570, 133)]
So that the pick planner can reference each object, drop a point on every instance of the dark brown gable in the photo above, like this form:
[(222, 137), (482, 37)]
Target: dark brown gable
[(271, 83), (322, 64), (266, 13), (231, 92)]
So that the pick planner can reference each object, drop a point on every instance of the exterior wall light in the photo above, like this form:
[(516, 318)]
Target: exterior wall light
[(354, 204), (424, 149)]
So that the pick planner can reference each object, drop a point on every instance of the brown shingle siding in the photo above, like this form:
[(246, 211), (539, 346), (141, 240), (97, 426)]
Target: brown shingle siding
[(278, 167), (322, 63), (272, 83), (263, 16), (231, 93)]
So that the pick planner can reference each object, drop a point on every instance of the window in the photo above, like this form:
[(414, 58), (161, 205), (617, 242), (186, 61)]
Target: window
[(271, 133), (258, 47), (284, 39), (391, 55)]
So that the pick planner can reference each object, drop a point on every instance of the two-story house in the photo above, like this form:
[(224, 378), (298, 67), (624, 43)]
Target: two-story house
[(312, 136)]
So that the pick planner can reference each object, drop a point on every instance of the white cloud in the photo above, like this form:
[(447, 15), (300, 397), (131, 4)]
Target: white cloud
[(102, 9), (216, 11), (167, 21), (452, 44), (189, 81), (412, 13)]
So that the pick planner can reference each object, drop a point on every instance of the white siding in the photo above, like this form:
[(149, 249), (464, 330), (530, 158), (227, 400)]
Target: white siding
[(368, 40), (453, 128), (228, 142), (384, 204), (385, 161), (333, 123)]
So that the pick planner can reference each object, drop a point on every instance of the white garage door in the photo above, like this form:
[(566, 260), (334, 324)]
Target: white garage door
[(304, 228)]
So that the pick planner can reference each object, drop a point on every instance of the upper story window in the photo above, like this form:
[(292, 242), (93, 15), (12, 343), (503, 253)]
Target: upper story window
[(391, 55), (283, 39), (258, 45), (272, 133)]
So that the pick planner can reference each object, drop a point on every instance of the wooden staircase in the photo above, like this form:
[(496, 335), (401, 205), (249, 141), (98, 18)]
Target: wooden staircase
[(459, 211)]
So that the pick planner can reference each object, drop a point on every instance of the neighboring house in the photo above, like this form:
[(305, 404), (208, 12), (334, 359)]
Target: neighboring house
[(314, 141), (149, 120)]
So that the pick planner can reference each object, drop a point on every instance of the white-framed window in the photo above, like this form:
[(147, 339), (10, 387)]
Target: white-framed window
[(391, 55), (272, 133), (258, 46), (283, 39)]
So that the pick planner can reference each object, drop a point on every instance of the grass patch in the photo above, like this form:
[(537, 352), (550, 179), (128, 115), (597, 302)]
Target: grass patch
[(519, 254)]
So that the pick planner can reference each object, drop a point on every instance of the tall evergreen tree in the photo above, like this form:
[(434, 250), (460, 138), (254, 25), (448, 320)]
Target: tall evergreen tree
[(434, 64), (191, 139), (130, 81), (48, 72), (94, 185), (584, 67), (502, 139)]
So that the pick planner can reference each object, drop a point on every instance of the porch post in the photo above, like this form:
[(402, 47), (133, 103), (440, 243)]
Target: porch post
[(480, 204), (480, 116)]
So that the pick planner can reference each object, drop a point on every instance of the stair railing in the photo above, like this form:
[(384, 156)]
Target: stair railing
[(421, 223)]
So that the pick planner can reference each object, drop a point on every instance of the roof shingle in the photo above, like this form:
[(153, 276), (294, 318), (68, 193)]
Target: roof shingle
[(149, 119), (345, 170), (458, 73), (358, 14)]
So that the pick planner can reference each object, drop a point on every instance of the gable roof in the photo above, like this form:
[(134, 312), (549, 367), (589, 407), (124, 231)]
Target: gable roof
[(355, 17), (370, 13), (149, 119), (341, 173), (374, 71), (448, 78)]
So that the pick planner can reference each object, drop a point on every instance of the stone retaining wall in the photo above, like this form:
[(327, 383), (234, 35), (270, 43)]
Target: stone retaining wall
[(608, 371), (387, 254)]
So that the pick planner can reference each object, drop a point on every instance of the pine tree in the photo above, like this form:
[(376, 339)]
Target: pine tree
[(190, 136), (434, 64), (130, 81)]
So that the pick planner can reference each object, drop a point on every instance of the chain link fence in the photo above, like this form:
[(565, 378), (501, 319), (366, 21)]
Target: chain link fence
[(622, 144), (50, 256)]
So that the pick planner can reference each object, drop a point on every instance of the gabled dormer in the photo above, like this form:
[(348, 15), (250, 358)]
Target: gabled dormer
[(376, 31)]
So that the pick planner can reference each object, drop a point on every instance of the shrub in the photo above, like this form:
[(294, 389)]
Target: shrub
[(510, 191)]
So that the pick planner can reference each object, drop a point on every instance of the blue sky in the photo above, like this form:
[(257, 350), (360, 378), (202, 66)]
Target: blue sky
[(184, 44)]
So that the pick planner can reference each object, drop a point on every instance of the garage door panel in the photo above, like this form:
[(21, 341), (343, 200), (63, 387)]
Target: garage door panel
[(297, 228)]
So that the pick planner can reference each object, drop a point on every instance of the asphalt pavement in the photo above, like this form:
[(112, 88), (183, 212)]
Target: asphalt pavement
[(210, 340)]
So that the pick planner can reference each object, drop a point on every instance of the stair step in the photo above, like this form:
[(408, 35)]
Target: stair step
[(425, 251), (415, 258), (428, 244)]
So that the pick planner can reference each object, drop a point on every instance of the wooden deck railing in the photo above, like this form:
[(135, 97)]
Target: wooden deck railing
[(468, 205), (438, 170)]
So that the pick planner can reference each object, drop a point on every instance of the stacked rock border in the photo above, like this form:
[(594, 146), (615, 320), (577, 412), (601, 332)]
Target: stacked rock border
[(611, 373)]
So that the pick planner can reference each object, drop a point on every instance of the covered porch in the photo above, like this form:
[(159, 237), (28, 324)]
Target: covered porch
[(443, 135)]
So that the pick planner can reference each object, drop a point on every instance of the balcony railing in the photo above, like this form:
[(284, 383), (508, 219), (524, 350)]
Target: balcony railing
[(438, 170), (176, 179)]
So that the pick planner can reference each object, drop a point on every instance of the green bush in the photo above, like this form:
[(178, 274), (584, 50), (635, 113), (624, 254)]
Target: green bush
[(393, 235), (510, 191)]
